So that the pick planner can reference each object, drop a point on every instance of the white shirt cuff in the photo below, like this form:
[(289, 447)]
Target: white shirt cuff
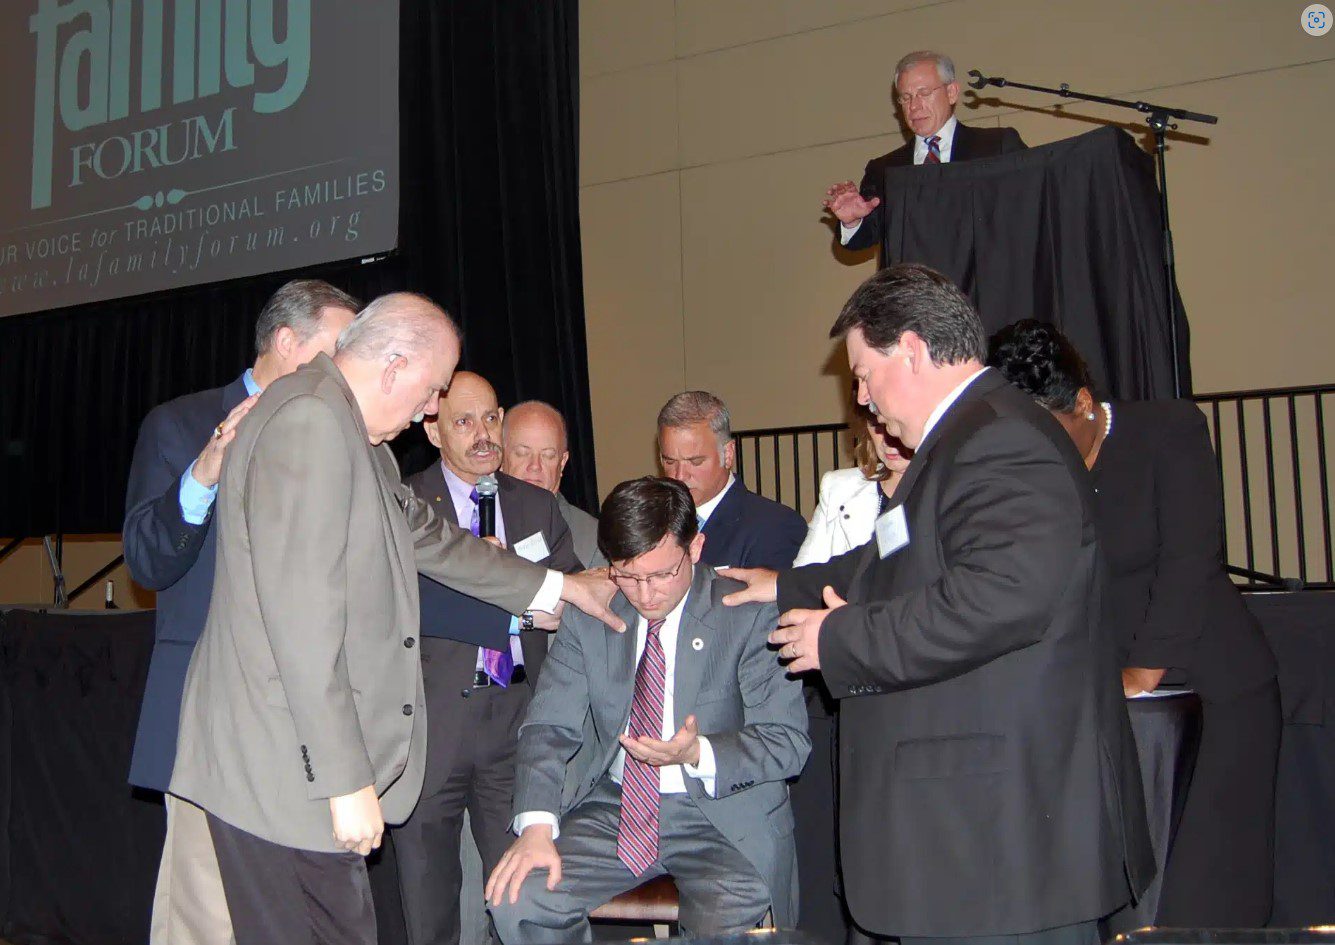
[(846, 232), (707, 769), (531, 818), (549, 595)]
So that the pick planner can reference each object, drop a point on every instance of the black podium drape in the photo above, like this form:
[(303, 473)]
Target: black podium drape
[(489, 227), (80, 848), (1067, 233)]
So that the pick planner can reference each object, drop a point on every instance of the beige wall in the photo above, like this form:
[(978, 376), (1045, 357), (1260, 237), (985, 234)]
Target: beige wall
[(25, 576), (710, 129)]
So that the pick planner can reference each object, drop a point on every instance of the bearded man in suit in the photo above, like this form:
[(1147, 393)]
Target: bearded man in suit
[(476, 691)]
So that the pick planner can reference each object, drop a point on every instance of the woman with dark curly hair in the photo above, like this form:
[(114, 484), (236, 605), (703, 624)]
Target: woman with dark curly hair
[(1176, 617)]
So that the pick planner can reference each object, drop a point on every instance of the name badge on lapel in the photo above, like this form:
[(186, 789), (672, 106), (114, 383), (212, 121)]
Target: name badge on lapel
[(892, 531), (533, 548)]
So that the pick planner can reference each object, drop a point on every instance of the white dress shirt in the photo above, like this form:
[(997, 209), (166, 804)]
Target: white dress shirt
[(945, 146), (706, 509), (671, 778), (949, 399)]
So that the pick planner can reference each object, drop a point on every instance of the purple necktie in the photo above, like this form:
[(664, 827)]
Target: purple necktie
[(498, 664), (637, 833), (933, 150)]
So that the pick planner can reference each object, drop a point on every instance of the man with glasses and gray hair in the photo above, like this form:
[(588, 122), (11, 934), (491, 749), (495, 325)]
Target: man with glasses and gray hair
[(169, 547), (926, 91), (302, 727)]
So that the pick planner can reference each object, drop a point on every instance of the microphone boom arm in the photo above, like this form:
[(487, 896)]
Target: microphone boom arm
[(1159, 121)]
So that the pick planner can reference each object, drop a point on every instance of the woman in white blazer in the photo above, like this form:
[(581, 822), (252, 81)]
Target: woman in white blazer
[(850, 499)]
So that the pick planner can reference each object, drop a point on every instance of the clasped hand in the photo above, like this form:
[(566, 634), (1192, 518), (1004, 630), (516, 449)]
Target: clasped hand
[(358, 822), (798, 633)]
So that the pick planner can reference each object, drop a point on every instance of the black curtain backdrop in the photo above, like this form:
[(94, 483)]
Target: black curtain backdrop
[(489, 228), (1068, 233)]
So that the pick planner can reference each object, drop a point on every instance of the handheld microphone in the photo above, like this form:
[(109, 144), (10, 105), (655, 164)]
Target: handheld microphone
[(486, 506)]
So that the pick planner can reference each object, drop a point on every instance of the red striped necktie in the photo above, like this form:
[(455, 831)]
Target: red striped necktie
[(637, 833), (933, 150)]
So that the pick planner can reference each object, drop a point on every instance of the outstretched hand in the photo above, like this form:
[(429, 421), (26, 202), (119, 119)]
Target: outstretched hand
[(592, 592), (682, 749), (762, 586), (848, 205)]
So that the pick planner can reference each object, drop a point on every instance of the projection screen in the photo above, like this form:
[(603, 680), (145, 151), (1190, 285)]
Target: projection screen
[(152, 144)]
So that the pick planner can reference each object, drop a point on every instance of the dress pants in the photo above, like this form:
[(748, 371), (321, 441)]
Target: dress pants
[(189, 907), (1221, 866), (472, 735), (281, 894), (720, 891)]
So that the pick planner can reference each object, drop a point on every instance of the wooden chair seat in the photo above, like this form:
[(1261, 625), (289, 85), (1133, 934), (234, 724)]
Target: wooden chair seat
[(652, 903)]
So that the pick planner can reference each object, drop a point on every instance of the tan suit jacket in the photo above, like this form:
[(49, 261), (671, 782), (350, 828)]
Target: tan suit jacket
[(306, 682)]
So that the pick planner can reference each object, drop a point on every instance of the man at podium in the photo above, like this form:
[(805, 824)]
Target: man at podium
[(926, 91)]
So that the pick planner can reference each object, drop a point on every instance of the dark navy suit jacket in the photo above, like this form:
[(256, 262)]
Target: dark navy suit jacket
[(456, 616), (167, 554), (749, 531)]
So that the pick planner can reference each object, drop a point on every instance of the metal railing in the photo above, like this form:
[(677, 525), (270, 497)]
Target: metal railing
[(1270, 452)]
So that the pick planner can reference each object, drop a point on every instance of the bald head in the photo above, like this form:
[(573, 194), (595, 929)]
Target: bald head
[(467, 428), (397, 355), (535, 444)]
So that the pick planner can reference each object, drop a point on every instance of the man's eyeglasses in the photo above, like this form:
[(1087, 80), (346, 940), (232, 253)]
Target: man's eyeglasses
[(656, 581), (921, 95)]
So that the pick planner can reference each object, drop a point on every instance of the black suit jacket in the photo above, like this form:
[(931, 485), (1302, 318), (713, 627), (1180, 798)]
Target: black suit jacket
[(167, 554), (749, 531), (988, 781), (446, 613), (970, 144), (1160, 508)]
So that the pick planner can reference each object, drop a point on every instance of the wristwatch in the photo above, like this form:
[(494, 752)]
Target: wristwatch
[(526, 620)]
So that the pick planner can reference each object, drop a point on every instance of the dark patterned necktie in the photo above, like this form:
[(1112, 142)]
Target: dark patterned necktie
[(933, 150), (637, 834)]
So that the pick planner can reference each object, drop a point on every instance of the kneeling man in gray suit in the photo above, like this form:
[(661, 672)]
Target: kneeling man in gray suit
[(678, 736)]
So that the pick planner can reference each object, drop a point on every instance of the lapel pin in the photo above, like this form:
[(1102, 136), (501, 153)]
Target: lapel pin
[(697, 644)]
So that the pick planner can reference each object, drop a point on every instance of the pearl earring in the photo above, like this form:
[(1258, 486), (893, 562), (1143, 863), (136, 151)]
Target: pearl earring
[(1090, 415)]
